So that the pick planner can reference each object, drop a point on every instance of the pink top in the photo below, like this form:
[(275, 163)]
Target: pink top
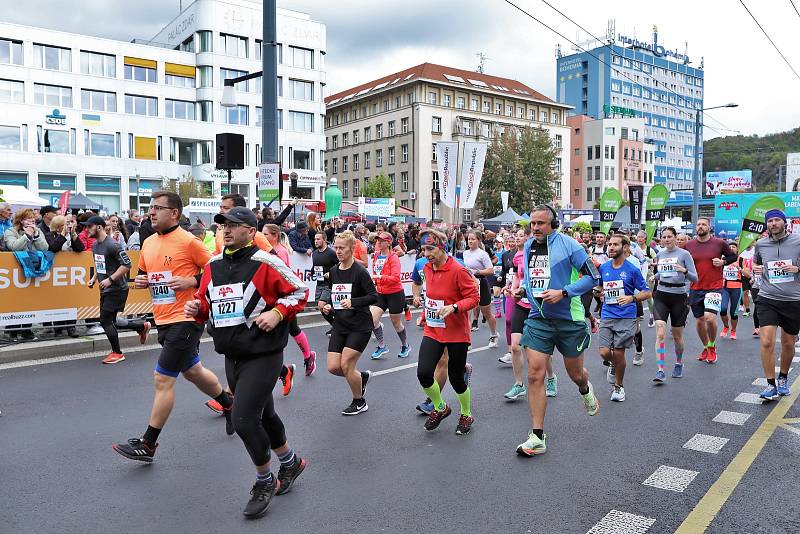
[(518, 261)]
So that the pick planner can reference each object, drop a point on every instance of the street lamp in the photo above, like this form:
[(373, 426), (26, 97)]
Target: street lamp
[(698, 121)]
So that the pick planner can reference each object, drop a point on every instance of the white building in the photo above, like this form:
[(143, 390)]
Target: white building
[(103, 117)]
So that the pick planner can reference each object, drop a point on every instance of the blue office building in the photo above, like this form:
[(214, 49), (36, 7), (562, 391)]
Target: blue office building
[(624, 76)]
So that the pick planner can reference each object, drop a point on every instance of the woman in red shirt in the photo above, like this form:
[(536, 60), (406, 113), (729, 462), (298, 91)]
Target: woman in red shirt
[(385, 271)]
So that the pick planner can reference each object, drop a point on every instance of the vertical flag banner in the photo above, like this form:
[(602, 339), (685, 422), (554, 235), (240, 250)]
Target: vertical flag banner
[(655, 209), (447, 160), (471, 173), (610, 203), (753, 224), (504, 199), (635, 201), (63, 202), (269, 175)]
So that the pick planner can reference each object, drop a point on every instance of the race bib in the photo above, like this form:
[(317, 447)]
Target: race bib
[(340, 293), (498, 270), (100, 264), (510, 278), (432, 307), (378, 266), (227, 305), (731, 272), (319, 275), (539, 274), (713, 301), (667, 265), (613, 290), (776, 272), (159, 291)]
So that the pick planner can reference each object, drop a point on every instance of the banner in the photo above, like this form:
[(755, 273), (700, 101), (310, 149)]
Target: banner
[(793, 171), (63, 202), (269, 178), (447, 160), (655, 209), (376, 207), (753, 224), (718, 183), (504, 199), (635, 201), (471, 173), (731, 209), (610, 203)]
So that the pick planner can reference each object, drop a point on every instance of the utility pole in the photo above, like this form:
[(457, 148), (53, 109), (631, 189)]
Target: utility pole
[(269, 92)]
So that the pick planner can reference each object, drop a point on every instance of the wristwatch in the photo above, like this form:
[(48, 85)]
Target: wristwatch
[(455, 308), (564, 293)]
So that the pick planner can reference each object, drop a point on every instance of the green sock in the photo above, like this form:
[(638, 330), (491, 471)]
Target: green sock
[(435, 395), (463, 400), (710, 344)]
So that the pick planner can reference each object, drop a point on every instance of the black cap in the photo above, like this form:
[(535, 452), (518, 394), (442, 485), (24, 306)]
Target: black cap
[(47, 209), (95, 220), (302, 225), (237, 214)]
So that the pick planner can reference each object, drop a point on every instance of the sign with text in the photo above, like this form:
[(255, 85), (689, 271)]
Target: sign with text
[(203, 205), (376, 207), (610, 203), (269, 182), (731, 210), (447, 160), (729, 182), (471, 173)]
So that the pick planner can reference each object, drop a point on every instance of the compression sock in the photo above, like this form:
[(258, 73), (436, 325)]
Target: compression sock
[(435, 395), (464, 401), (678, 355), (151, 435), (287, 458), (379, 334), (302, 343), (660, 351), (264, 478), (498, 306), (402, 335), (711, 344), (224, 399)]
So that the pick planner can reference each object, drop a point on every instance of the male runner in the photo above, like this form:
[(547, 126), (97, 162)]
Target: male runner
[(169, 265), (323, 259)]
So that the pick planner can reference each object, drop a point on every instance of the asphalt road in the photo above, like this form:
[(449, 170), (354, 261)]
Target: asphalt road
[(380, 471)]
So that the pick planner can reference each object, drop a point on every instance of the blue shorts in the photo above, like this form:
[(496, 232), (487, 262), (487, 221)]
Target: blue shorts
[(180, 347)]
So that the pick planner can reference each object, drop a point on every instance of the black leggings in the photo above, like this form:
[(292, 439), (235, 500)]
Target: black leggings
[(754, 295), (294, 329), (254, 418), (110, 324), (431, 351)]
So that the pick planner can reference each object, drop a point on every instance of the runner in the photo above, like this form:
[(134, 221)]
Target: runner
[(674, 268), (247, 295), (386, 274), (731, 294), (480, 264), (647, 269), (705, 297), (504, 277), (352, 293), (169, 264), (323, 259), (111, 268), (228, 203), (747, 263), (599, 255), (775, 263), (451, 294), (551, 261)]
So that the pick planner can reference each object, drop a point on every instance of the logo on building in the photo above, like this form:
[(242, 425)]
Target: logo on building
[(655, 48), (56, 118)]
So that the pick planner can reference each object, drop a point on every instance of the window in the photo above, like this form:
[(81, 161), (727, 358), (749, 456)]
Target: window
[(432, 98), (466, 127), (301, 159), (141, 105), (596, 151), (102, 145), (187, 45), (301, 57), (391, 155), (557, 165), (229, 74), (404, 181), (299, 121), (98, 64), (597, 193), (484, 129), (447, 100), (98, 100), (10, 52), (10, 138), (355, 137), (52, 95), (236, 115), (461, 102), (404, 154), (140, 74), (606, 151), (56, 141), (467, 215), (335, 141), (509, 110), (404, 125), (345, 189), (473, 104), (301, 90), (379, 158), (344, 164), (542, 116), (378, 131), (577, 172), (206, 110), (498, 108), (335, 165), (589, 152), (391, 128), (356, 189), (52, 57), (436, 126), (259, 117), (433, 151), (588, 193), (345, 139), (588, 173), (394, 183), (205, 41), (531, 114), (612, 151), (180, 81), (435, 180), (366, 160), (367, 134), (554, 118), (557, 141), (355, 162), (12, 91), (179, 109), (205, 76), (233, 45)]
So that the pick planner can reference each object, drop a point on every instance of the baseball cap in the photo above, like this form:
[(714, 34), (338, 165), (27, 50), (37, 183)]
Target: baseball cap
[(47, 209), (237, 214), (95, 220), (384, 236)]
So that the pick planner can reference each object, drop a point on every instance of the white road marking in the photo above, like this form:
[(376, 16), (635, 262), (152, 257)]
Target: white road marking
[(671, 478), (706, 443), (412, 365), (732, 418), (616, 522), (748, 398)]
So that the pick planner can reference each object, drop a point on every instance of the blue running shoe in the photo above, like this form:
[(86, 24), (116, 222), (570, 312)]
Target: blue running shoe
[(425, 407), (404, 352), (770, 394), (677, 372), (783, 387), (380, 351), (467, 373), (660, 376)]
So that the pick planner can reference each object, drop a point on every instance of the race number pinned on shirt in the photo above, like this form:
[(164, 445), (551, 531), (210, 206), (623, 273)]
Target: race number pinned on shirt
[(319, 275), (667, 265), (498, 270), (432, 307), (378, 265), (713, 302), (227, 305), (539, 274), (159, 290), (613, 290), (100, 264), (510, 278), (340, 293), (776, 271), (731, 272)]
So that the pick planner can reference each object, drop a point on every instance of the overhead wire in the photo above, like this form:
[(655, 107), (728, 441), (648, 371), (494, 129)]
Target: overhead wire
[(770, 38)]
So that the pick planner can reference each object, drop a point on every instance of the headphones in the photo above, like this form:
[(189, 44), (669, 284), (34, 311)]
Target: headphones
[(554, 222)]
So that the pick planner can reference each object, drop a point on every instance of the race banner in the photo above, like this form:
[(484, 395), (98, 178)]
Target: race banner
[(655, 209), (269, 181), (447, 160), (753, 223), (635, 201), (471, 173), (63, 202), (610, 203)]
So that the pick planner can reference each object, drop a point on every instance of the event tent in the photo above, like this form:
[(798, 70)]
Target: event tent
[(81, 202), (19, 197), (507, 217)]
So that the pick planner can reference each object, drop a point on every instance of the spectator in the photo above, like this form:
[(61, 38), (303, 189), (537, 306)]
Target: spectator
[(299, 239), (24, 234), (47, 213), (83, 234), (5, 216), (117, 231), (133, 222), (145, 230), (267, 217), (61, 236)]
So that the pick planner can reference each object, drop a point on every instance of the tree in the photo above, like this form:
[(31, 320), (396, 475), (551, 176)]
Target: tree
[(520, 162), (379, 187), (582, 227), (187, 187)]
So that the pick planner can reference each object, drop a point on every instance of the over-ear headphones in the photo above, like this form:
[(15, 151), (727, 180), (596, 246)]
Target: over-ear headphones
[(554, 222)]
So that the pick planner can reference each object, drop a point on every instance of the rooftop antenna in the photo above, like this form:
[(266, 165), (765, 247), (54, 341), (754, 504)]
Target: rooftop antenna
[(611, 32), (558, 51), (482, 57)]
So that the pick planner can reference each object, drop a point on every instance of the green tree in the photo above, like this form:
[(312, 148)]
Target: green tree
[(187, 187), (378, 187), (582, 227), (520, 162)]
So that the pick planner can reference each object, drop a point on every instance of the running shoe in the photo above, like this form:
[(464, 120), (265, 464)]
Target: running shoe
[(533, 446), (365, 376), (483, 319), (493, 342), (506, 358), (474, 326), (590, 401), (595, 327), (215, 407), (516, 391), (733, 335), (467, 373), (404, 352), (380, 351), (136, 449), (712, 355), (551, 386), (703, 355), (310, 363), (770, 394), (420, 319), (425, 407), (611, 374), (436, 416), (114, 357), (755, 332), (356, 407), (287, 475), (677, 371), (464, 424), (144, 332), (261, 496), (660, 376), (618, 395), (638, 358), (724, 332), (287, 379), (408, 314), (782, 386), (746, 313), (652, 321), (497, 315), (328, 332)]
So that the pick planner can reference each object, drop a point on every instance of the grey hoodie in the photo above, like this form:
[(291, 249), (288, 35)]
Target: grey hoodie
[(769, 250)]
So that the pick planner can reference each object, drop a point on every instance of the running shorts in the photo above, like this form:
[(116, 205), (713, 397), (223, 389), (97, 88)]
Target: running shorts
[(180, 350), (395, 302), (518, 318), (486, 293), (697, 301), (673, 306), (617, 333), (357, 341), (571, 338), (113, 301), (784, 314)]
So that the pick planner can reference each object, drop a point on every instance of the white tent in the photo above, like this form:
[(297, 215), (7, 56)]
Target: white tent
[(20, 197)]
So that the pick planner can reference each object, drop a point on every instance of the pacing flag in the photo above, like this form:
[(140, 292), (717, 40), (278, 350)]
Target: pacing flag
[(471, 173), (63, 202), (753, 224), (447, 159), (655, 209), (635, 201), (610, 203)]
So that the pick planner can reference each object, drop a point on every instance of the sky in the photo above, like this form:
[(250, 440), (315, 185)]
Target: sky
[(368, 39)]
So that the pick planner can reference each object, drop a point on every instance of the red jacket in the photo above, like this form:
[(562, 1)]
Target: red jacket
[(389, 282), (453, 284)]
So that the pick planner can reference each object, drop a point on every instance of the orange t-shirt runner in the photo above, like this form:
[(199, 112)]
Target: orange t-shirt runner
[(163, 257)]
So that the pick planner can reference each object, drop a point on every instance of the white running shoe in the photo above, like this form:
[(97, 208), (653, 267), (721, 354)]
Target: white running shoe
[(505, 359), (95, 330), (638, 358), (493, 341), (618, 395)]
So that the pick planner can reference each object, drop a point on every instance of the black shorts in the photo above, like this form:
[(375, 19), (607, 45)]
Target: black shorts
[(357, 341), (395, 302), (673, 306), (113, 301), (518, 317), (746, 285), (781, 313), (486, 293), (697, 301), (180, 350)]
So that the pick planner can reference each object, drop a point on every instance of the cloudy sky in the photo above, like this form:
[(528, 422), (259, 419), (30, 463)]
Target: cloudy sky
[(371, 38)]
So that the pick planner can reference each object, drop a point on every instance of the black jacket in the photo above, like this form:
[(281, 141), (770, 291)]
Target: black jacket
[(55, 242)]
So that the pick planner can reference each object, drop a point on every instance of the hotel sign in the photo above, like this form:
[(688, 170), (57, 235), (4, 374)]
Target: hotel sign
[(654, 48)]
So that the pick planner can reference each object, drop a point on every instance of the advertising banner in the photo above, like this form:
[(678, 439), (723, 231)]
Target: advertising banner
[(376, 207), (635, 201), (754, 224), (793, 171), (731, 209), (447, 160), (610, 203), (63, 202), (471, 173), (729, 182), (655, 209), (269, 182)]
